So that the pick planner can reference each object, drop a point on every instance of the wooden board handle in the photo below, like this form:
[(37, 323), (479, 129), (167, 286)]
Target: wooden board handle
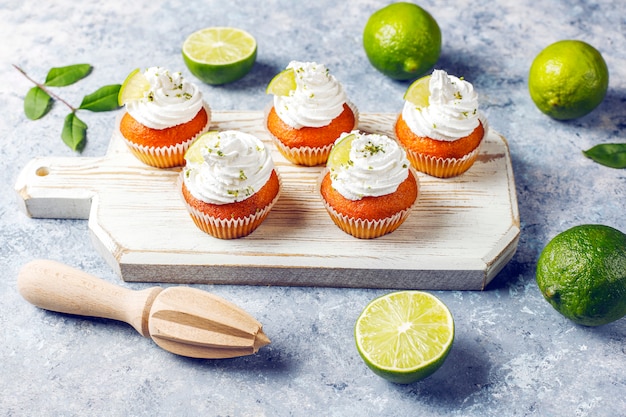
[(60, 188), (57, 287)]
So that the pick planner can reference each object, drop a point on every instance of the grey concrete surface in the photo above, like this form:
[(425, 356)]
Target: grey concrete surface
[(513, 354)]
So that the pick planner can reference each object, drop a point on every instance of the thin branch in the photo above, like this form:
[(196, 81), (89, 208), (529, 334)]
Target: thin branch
[(44, 88)]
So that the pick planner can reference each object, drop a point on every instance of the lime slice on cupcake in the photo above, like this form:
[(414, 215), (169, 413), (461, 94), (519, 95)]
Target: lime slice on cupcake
[(219, 55), (283, 83), (404, 336), (133, 88), (340, 153), (194, 153), (418, 92)]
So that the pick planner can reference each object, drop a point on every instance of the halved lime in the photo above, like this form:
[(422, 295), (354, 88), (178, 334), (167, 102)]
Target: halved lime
[(219, 55), (418, 92), (194, 152), (133, 88), (340, 153), (404, 336), (283, 83)]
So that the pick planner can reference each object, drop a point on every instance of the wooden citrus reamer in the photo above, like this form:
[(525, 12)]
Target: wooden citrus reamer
[(183, 320)]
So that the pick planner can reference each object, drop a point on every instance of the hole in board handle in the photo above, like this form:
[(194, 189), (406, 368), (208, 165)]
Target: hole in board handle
[(42, 171)]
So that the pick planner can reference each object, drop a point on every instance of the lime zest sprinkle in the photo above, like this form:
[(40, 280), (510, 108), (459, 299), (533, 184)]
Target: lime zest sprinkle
[(247, 192), (373, 149)]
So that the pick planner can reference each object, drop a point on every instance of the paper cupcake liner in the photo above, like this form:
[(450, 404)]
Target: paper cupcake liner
[(166, 156), (367, 229), (229, 228), (306, 155), (364, 228), (442, 167)]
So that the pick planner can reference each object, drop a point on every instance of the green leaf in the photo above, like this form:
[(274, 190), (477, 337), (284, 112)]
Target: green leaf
[(62, 76), (612, 155), (74, 132), (103, 99), (37, 103)]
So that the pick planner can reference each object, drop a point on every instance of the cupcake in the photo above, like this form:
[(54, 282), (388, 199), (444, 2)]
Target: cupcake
[(443, 133), (369, 188), (306, 121), (159, 127), (229, 183)]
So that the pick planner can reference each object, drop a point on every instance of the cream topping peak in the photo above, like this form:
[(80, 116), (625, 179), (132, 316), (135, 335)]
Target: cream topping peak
[(170, 101), (236, 165), (377, 165), (317, 99), (452, 111)]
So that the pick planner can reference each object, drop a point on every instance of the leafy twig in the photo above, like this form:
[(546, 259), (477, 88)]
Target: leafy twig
[(38, 101), (44, 88)]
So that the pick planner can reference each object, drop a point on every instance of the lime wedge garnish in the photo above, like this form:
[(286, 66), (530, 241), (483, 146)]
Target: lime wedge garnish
[(194, 152), (418, 92), (133, 88), (283, 83), (219, 55), (404, 336), (340, 153)]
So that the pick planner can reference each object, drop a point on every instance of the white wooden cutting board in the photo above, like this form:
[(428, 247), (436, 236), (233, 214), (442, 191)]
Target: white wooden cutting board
[(461, 233)]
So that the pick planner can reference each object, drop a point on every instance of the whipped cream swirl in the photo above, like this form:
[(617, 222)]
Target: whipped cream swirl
[(452, 111), (377, 166), (170, 101), (236, 165), (317, 99)]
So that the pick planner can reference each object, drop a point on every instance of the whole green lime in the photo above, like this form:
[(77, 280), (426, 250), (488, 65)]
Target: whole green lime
[(568, 79), (582, 273), (402, 40)]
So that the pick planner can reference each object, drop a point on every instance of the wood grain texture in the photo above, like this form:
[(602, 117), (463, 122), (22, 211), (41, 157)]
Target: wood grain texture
[(462, 232)]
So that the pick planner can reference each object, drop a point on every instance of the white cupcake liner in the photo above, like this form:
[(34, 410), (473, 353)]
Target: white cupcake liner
[(306, 155), (365, 228), (229, 228), (166, 156), (442, 167)]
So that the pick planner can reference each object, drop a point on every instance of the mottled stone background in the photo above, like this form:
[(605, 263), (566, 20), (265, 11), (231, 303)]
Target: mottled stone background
[(513, 354)]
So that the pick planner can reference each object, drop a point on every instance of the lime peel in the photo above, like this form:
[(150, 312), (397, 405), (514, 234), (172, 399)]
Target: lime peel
[(568, 79), (581, 272), (402, 40)]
